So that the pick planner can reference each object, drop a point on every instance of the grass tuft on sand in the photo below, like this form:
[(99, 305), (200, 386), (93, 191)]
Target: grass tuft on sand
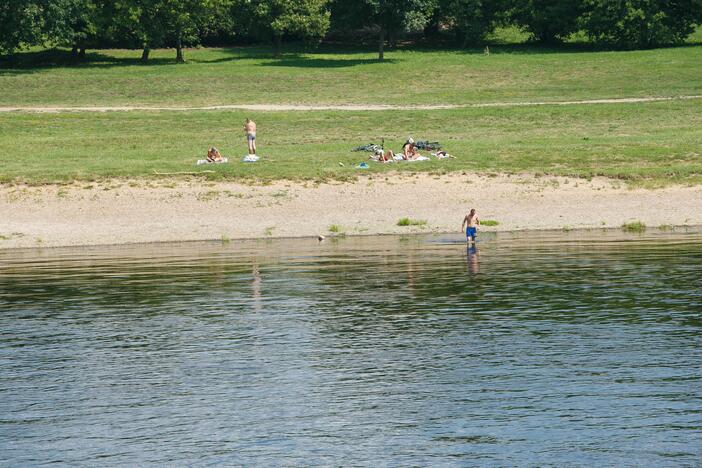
[(634, 226), (411, 222)]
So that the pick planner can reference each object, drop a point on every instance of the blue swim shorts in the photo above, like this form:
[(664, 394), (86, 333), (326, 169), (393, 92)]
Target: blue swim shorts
[(472, 232)]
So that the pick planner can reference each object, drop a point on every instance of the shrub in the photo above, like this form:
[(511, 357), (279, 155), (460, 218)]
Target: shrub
[(634, 226), (633, 24), (411, 222)]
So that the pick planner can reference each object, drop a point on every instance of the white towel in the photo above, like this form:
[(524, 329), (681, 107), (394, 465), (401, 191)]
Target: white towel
[(205, 161), (418, 158)]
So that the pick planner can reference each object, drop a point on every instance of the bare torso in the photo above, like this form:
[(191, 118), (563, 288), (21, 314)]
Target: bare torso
[(250, 127)]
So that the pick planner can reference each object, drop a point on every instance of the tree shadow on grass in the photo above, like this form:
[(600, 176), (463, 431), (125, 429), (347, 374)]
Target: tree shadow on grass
[(445, 43), (32, 61), (299, 61), (536, 48), (293, 56)]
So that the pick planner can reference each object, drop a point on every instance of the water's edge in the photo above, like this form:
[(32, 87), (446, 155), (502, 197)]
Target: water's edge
[(681, 228)]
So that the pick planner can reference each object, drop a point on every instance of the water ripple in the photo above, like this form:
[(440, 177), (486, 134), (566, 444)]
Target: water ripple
[(540, 349)]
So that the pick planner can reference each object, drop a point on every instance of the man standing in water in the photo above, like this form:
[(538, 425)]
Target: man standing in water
[(250, 130), (471, 221)]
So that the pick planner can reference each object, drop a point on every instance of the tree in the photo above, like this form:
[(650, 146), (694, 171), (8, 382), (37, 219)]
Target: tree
[(273, 19), (548, 21), (156, 23), (471, 20), (389, 17), (21, 23), (183, 20), (640, 23), (71, 23)]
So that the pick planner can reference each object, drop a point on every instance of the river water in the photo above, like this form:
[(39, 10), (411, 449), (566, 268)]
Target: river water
[(578, 349)]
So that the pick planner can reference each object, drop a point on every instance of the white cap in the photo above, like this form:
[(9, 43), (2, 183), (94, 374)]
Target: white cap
[(410, 140)]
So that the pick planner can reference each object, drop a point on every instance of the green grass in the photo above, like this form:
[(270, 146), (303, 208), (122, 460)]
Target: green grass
[(217, 76), (656, 143), (634, 226), (411, 222), (649, 144), (489, 222), (334, 228)]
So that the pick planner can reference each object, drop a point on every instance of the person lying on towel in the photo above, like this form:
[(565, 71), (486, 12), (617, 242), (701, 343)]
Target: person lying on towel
[(384, 156)]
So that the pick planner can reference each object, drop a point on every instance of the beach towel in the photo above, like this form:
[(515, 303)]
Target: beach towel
[(205, 161), (370, 147), (250, 158), (398, 157), (427, 145)]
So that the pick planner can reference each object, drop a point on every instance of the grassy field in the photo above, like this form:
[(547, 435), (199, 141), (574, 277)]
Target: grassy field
[(511, 72), (656, 143), (646, 143)]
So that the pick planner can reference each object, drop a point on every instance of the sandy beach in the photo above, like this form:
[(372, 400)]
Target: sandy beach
[(120, 211)]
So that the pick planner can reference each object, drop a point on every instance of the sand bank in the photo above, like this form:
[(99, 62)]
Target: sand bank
[(115, 212)]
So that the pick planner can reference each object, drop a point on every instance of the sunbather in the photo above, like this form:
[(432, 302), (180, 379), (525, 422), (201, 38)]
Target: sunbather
[(441, 155), (213, 155), (409, 151), (384, 156), (250, 130)]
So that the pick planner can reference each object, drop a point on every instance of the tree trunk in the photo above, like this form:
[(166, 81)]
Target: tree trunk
[(392, 39), (381, 44), (81, 54), (433, 27), (74, 52), (179, 51), (277, 45), (145, 53)]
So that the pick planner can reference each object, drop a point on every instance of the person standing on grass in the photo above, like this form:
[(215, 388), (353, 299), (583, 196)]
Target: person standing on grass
[(471, 222), (250, 130)]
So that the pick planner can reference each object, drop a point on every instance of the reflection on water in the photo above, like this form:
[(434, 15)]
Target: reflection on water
[(563, 349)]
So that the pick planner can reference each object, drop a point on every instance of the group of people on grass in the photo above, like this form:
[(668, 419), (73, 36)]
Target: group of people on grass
[(409, 152), (213, 154)]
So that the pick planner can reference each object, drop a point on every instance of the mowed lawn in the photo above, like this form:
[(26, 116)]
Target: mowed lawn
[(655, 142), (238, 75)]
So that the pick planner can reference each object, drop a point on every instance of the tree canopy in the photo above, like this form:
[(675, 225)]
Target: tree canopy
[(146, 24)]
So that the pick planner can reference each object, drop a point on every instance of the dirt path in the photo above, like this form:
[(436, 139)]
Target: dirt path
[(340, 107), (117, 212)]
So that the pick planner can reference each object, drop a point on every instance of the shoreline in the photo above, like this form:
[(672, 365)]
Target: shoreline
[(606, 230), (118, 212)]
